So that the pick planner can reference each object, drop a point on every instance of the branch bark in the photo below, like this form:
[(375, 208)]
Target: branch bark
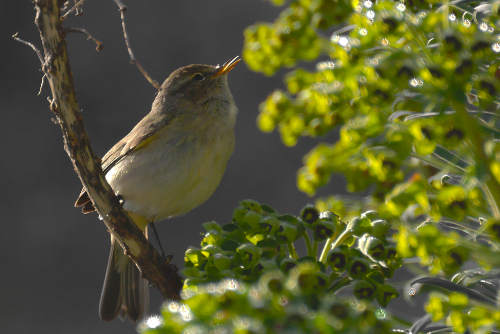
[(64, 105)]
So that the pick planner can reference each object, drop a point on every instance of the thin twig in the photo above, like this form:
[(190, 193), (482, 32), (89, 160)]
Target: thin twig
[(40, 58), (122, 8), (76, 7), (41, 84), (98, 44), (38, 53), (121, 5)]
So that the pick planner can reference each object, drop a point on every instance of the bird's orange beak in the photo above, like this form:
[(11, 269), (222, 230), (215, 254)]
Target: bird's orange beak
[(227, 66)]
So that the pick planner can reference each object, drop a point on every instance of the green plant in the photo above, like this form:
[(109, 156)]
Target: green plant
[(412, 90)]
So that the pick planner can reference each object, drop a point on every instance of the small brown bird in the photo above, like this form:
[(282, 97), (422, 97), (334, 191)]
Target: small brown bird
[(170, 162)]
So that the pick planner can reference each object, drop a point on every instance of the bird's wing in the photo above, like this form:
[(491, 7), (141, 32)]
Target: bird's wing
[(138, 137)]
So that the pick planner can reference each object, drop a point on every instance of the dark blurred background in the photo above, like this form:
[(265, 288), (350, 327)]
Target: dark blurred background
[(53, 258)]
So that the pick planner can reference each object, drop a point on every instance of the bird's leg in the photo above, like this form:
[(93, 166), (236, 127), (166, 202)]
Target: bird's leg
[(157, 237)]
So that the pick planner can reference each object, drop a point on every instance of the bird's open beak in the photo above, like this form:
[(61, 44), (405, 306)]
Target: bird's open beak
[(227, 66)]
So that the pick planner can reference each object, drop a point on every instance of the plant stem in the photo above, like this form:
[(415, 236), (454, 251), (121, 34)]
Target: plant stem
[(327, 247), (315, 248), (308, 245), (446, 12), (293, 252), (340, 239), (491, 201)]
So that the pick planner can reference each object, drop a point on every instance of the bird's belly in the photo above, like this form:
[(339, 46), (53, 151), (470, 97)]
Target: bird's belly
[(171, 176)]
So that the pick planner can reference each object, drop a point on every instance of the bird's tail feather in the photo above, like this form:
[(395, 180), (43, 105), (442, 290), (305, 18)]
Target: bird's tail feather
[(124, 291)]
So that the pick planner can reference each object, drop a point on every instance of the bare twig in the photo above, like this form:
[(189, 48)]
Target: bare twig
[(76, 143), (75, 8), (98, 43), (41, 84), (40, 58), (122, 8), (121, 5), (38, 52)]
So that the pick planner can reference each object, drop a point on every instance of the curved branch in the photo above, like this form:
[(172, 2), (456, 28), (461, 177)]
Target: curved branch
[(76, 144), (122, 8), (98, 43)]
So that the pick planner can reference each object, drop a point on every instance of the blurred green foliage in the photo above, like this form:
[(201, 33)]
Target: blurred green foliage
[(259, 240), (264, 307), (462, 316), (410, 90)]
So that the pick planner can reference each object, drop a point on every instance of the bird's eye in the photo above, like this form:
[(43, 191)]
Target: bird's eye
[(198, 77)]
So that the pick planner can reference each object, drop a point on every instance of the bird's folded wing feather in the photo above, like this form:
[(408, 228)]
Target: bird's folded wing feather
[(139, 136)]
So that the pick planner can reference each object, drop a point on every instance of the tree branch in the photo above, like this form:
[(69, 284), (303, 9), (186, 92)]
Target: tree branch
[(76, 144), (76, 8), (98, 43), (122, 8), (37, 51)]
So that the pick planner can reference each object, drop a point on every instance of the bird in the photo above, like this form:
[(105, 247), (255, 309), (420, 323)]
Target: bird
[(168, 164)]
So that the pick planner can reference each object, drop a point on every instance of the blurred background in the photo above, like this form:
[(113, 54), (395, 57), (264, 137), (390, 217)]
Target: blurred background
[(53, 257)]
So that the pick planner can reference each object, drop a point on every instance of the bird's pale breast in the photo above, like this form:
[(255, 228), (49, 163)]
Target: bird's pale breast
[(176, 171)]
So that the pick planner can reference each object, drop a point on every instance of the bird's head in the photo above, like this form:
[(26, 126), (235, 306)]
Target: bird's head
[(199, 83)]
